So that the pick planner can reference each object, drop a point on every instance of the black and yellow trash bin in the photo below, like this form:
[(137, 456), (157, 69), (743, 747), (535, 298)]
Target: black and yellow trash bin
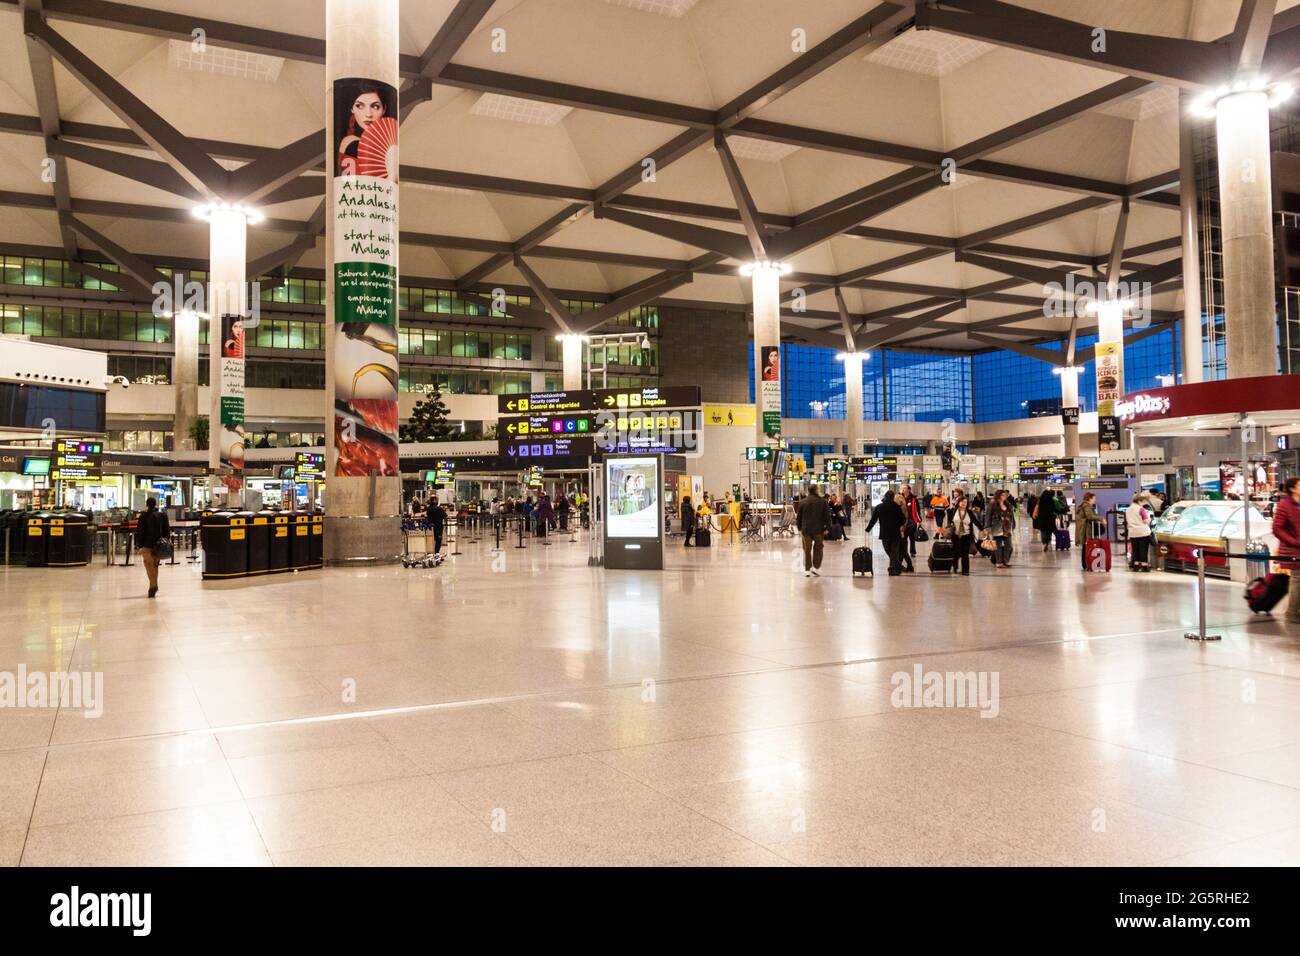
[(299, 541), (16, 530), (225, 545), (68, 540), (317, 551), (259, 542), (38, 539), (278, 561)]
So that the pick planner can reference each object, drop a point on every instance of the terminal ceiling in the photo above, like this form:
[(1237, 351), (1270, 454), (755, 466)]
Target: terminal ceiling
[(523, 166)]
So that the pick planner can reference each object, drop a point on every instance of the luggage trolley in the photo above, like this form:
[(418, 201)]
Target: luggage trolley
[(418, 547)]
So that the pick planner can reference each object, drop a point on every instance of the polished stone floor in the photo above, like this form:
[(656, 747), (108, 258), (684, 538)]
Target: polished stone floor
[(523, 708)]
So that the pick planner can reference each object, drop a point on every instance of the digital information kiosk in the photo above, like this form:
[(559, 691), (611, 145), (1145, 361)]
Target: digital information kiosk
[(634, 514)]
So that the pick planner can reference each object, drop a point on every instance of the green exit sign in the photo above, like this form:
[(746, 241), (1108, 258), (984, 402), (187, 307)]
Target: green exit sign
[(758, 454)]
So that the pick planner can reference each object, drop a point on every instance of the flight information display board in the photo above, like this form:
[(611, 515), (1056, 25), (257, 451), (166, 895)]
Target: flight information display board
[(1046, 469), (78, 461), (611, 420), (672, 396), (873, 468), (309, 467), (442, 474)]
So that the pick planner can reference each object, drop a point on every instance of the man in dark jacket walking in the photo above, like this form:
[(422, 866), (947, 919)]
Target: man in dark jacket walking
[(150, 528), (813, 519), (891, 517), (436, 520)]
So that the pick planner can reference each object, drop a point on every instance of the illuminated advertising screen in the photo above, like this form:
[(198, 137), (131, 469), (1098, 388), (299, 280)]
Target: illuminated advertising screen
[(36, 466), (632, 508)]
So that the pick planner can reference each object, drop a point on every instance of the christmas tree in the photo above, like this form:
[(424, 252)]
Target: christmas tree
[(428, 419)]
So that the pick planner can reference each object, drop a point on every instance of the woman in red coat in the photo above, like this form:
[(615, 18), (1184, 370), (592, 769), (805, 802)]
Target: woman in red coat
[(1286, 528)]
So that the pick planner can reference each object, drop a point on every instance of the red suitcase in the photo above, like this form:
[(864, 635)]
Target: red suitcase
[(1096, 554), (1263, 594)]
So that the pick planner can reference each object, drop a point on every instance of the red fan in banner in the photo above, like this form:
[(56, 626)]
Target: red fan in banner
[(377, 151)]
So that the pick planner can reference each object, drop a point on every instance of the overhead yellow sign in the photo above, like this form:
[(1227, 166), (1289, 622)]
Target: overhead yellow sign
[(729, 416)]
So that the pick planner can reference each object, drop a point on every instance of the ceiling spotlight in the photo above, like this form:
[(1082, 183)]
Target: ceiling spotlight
[(749, 268), (1206, 106), (208, 210)]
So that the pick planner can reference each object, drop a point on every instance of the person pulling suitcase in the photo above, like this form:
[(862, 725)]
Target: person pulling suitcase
[(1286, 528)]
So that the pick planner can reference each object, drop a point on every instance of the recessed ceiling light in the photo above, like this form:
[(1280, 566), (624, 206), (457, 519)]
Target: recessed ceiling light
[(665, 8), (518, 110), (206, 58), (760, 150)]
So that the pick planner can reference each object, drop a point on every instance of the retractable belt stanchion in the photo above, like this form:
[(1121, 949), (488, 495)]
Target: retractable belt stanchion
[(455, 538), (521, 522), (496, 531), (1199, 634)]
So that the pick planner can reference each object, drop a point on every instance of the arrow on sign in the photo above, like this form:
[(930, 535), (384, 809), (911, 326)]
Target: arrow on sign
[(609, 399), (510, 429), (510, 405), (511, 451)]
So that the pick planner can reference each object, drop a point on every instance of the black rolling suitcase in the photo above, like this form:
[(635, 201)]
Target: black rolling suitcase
[(703, 536), (862, 561), (941, 556), (835, 532), (1263, 594)]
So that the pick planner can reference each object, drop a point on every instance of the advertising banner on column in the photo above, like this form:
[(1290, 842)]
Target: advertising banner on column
[(231, 386), (364, 207), (1110, 383), (769, 399)]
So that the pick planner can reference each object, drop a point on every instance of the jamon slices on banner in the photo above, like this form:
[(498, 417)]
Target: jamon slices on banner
[(362, 449), (378, 413)]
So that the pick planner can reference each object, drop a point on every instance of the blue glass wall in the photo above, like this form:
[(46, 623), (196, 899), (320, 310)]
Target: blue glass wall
[(813, 379), (928, 388), (1005, 383), (987, 387)]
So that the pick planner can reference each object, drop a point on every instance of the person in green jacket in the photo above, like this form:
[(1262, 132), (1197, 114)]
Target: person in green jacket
[(1086, 518)]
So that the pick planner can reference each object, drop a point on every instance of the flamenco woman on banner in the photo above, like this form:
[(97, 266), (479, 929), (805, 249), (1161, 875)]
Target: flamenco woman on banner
[(367, 129)]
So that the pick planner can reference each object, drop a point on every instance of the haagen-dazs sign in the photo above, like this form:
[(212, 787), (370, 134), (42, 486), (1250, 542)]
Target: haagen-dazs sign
[(1143, 404)]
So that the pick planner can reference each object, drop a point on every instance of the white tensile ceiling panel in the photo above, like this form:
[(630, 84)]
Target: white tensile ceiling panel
[(593, 44), (665, 8), (929, 52), (759, 150)]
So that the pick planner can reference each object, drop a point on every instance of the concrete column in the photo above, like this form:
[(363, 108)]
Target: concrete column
[(853, 400), (185, 377), (1070, 399), (1246, 223), (227, 296), (364, 487), (572, 348), (1191, 344), (767, 337)]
